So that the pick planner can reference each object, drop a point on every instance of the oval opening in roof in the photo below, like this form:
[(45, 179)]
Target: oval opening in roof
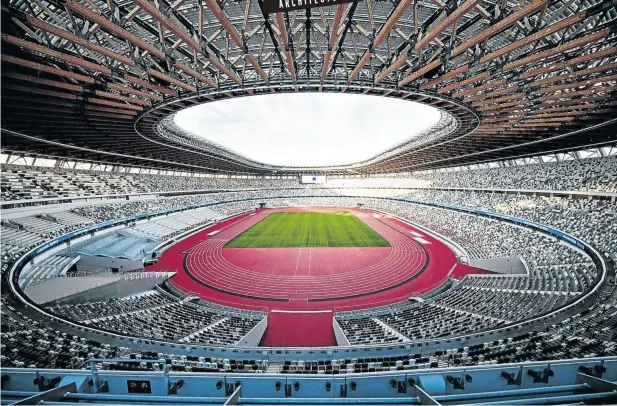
[(308, 129)]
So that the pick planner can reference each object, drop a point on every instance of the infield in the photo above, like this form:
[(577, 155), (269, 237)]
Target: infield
[(308, 229)]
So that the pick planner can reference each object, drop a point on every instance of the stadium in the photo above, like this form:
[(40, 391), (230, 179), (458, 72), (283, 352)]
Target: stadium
[(308, 202)]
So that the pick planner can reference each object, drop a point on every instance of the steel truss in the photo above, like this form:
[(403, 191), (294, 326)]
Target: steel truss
[(95, 80)]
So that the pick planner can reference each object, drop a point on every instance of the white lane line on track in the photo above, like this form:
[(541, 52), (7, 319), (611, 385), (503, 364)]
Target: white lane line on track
[(297, 261)]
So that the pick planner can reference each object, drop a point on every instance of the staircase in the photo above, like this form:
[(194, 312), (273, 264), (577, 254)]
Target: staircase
[(274, 367)]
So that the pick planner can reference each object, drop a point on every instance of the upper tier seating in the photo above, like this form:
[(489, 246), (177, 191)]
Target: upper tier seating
[(26, 183), (591, 174), (174, 224), (594, 221), (22, 182)]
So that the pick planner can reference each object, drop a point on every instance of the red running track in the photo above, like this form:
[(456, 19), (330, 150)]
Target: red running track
[(207, 262), (310, 278), (299, 329)]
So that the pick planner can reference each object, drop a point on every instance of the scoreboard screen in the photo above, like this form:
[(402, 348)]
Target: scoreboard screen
[(313, 179)]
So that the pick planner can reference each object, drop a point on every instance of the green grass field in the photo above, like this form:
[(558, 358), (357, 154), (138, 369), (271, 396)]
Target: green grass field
[(308, 229)]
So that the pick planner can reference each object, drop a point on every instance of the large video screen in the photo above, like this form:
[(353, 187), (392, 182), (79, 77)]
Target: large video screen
[(313, 179)]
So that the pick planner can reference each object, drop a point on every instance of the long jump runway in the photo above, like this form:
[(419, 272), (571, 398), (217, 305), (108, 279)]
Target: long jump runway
[(310, 278)]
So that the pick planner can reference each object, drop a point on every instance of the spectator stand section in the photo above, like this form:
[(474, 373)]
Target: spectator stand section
[(401, 348)]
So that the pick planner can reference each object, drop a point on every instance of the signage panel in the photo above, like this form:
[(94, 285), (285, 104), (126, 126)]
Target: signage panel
[(313, 179), (135, 386), (278, 6)]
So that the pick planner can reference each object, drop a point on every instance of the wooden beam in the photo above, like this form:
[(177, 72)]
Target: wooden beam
[(130, 90), (385, 29), (563, 24), (462, 83), (148, 85), (169, 79), (95, 17), (234, 35), (496, 93), (151, 9), (110, 95), (400, 61), (557, 50), (44, 68), (47, 82), (507, 22), (420, 72), (489, 85), (36, 90), (382, 34), (31, 46), (113, 104), (365, 58), (573, 75), (444, 77), (460, 11), (110, 110), (569, 62), (202, 78), (35, 22), (569, 95)]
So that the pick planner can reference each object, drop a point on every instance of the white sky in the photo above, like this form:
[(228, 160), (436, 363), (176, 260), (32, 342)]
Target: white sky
[(308, 129)]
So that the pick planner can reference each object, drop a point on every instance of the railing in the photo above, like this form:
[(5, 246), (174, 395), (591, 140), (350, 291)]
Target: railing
[(95, 272), (223, 303), (578, 381)]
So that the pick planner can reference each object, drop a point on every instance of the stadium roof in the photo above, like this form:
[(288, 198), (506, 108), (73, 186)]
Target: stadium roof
[(100, 80)]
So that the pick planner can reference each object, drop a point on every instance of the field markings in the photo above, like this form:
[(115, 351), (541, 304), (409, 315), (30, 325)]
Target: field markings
[(308, 229)]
